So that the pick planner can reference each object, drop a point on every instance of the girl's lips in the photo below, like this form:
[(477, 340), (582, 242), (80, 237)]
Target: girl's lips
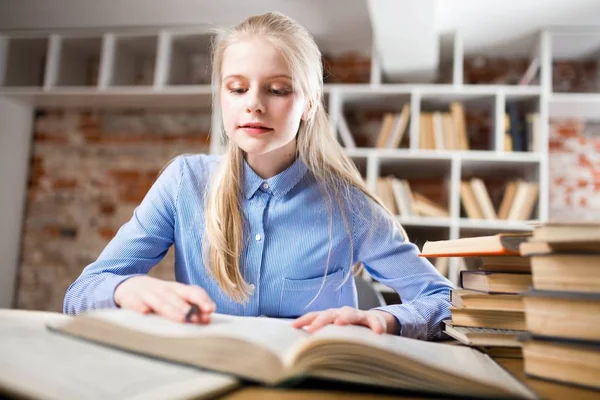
[(255, 130)]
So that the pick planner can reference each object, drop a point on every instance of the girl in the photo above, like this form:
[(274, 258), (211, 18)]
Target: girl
[(274, 226)]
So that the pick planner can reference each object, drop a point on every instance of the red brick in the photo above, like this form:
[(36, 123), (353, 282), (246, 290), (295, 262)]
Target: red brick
[(583, 202), (568, 132), (64, 183), (106, 232), (581, 183), (52, 230), (556, 145), (107, 208), (49, 138), (126, 175)]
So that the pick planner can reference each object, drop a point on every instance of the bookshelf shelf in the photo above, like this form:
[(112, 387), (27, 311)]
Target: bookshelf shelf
[(499, 225), (78, 62), (425, 221), (24, 61)]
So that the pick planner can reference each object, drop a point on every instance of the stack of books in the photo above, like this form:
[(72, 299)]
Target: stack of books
[(488, 309), (563, 309)]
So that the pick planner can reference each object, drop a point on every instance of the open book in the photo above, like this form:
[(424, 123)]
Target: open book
[(37, 363), (272, 352)]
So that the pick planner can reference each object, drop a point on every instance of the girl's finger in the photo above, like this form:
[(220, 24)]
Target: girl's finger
[(195, 295), (161, 306), (376, 324), (348, 316), (136, 304), (324, 318), (304, 320)]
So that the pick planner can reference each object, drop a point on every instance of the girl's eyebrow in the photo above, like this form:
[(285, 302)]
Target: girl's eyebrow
[(276, 76)]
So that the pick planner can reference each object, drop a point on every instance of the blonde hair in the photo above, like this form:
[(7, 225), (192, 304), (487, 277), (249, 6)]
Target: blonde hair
[(316, 146)]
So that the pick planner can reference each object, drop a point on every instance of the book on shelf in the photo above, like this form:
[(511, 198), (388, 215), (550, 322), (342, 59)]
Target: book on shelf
[(499, 244), (463, 298), (403, 196), (426, 133), (494, 319), (568, 315), (508, 198), (483, 337), (469, 201), (385, 191), (533, 131), (438, 131), (345, 133), (443, 130), (570, 362), (566, 232), (457, 110), (504, 263), (496, 282), (393, 128), (37, 363), (428, 208), (565, 271), (524, 201), (530, 72), (483, 198), (399, 128), (273, 352), (442, 264), (385, 129), (399, 198), (563, 310)]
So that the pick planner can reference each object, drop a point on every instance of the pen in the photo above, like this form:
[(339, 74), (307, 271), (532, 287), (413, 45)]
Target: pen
[(193, 310)]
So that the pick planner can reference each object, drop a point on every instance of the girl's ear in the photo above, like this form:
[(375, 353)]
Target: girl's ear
[(306, 113)]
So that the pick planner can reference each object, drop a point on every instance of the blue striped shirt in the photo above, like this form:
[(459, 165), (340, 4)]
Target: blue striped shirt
[(285, 251)]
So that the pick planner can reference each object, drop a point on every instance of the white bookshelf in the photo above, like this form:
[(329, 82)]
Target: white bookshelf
[(151, 68)]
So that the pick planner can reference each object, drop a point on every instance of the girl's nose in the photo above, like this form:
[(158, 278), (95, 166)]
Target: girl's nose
[(254, 102)]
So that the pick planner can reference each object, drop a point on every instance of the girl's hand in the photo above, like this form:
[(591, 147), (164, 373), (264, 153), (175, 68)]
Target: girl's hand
[(377, 321), (172, 300)]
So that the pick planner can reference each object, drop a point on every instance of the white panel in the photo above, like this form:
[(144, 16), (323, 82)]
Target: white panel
[(52, 62), (106, 60), (163, 57), (415, 113), (499, 122), (15, 143), (457, 59)]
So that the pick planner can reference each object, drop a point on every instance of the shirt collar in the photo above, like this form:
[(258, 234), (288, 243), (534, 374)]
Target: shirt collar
[(278, 185)]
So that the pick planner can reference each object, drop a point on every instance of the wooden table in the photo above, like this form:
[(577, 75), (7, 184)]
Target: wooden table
[(545, 389)]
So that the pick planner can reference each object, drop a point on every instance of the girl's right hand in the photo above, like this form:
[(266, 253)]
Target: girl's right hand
[(172, 300)]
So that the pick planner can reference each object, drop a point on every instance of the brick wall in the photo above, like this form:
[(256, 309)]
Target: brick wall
[(574, 170), (88, 173)]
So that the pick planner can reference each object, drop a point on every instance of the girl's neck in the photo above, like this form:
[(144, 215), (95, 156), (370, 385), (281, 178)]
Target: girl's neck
[(274, 162)]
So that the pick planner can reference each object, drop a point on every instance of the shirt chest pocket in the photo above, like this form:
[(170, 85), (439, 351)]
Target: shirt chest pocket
[(298, 295)]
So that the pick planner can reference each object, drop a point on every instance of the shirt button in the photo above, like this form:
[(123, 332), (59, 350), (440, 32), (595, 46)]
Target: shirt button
[(265, 185), (257, 237)]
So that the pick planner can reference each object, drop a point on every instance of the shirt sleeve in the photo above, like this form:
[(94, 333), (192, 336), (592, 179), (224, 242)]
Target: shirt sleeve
[(381, 245), (137, 247)]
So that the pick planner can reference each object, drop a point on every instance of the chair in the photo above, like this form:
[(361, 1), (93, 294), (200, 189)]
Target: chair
[(368, 296)]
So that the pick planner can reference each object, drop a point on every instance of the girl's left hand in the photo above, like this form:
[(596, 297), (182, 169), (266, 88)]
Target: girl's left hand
[(377, 321)]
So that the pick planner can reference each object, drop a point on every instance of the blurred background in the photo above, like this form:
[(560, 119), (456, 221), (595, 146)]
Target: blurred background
[(466, 117)]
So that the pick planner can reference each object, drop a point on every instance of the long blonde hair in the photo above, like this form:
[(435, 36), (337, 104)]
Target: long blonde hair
[(316, 146)]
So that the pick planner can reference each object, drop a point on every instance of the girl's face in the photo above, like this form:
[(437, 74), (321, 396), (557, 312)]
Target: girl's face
[(261, 107)]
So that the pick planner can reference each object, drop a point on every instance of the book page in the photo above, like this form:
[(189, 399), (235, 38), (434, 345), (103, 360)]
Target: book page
[(274, 334), (456, 361), (38, 363)]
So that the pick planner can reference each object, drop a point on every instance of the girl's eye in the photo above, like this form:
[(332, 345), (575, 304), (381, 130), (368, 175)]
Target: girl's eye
[(280, 92), (237, 90)]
